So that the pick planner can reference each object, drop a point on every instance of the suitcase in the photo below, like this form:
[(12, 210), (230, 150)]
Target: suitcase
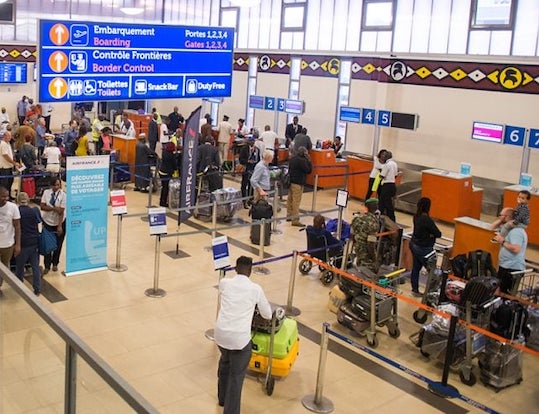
[(255, 234), (214, 178), (284, 339), (533, 328), (479, 290), (349, 287), (259, 324), (203, 199), (362, 307), (229, 202), (42, 183), (279, 367), (336, 298), (121, 173), (347, 317), (500, 364), (509, 319), (29, 187), (174, 187)]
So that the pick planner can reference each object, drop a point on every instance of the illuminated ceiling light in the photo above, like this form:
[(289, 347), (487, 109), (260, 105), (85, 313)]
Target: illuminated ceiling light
[(3, 1), (132, 11), (245, 3)]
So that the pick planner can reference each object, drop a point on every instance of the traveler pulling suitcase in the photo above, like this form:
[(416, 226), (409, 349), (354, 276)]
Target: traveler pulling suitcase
[(261, 210)]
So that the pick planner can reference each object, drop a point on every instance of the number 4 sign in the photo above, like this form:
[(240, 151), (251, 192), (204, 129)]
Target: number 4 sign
[(533, 141)]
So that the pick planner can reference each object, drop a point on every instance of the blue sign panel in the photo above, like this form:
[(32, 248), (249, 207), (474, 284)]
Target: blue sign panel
[(384, 118), (281, 103), (533, 141), (349, 114), (256, 102), (269, 103), (82, 61), (12, 72), (369, 116), (514, 135)]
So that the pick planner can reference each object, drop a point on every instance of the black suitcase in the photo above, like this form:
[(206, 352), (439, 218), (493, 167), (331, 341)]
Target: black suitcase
[(261, 210), (347, 316), (349, 287), (479, 290), (214, 178), (43, 182), (259, 324), (509, 319)]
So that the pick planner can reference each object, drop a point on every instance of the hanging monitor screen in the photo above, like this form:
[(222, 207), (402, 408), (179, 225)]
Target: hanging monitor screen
[(487, 132), (12, 72), (349, 114)]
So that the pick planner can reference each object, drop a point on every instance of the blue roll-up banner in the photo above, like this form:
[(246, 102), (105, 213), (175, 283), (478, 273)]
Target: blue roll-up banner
[(86, 213), (189, 157)]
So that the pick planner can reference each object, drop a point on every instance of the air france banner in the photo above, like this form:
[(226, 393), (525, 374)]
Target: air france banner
[(188, 178), (86, 213), (91, 61)]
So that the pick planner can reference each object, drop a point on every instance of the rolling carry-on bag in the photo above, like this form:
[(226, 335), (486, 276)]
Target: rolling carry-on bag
[(349, 287), (479, 290), (261, 210), (259, 324), (283, 341), (280, 367), (347, 317)]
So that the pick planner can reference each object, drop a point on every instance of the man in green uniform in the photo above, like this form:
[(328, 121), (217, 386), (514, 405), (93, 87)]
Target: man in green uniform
[(363, 226)]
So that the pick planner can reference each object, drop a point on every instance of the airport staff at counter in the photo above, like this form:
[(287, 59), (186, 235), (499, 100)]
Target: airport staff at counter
[(330, 170), (452, 194)]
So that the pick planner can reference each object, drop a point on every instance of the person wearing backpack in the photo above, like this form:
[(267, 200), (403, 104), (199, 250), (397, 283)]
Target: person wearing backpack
[(423, 239), (512, 251)]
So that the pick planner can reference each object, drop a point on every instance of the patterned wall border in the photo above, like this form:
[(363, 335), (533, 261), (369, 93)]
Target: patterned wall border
[(466, 75), (18, 53)]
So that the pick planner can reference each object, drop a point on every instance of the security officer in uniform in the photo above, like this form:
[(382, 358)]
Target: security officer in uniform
[(362, 227)]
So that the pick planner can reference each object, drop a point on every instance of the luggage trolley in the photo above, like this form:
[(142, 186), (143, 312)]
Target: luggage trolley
[(377, 308), (437, 265)]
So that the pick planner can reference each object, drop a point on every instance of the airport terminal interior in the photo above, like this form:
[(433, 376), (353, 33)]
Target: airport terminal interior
[(159, 346)]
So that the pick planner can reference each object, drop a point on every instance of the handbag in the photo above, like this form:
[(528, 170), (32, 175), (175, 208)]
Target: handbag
[(47, 242), (240, 168)]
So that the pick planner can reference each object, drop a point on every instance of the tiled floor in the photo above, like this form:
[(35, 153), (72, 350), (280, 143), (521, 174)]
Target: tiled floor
[(159, 346)]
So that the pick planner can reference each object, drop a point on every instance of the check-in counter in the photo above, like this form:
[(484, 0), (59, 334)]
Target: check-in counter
[(359, 169), (472, 234), (326, 164), (452, 194), (510, 194), (126, 147)]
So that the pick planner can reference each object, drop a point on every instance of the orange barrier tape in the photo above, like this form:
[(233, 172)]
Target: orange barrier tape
[(417, 304)]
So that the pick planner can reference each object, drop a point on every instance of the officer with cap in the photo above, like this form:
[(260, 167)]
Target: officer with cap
[(364, 228)]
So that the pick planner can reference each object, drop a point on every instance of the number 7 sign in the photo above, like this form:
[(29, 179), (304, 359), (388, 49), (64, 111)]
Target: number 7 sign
[(533, 140)]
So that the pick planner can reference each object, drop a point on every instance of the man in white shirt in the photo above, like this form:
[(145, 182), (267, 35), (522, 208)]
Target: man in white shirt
[(7, 162), (388, 189), (10, 229), (52, 154), (269, 137), (225, 129), (238, 298)]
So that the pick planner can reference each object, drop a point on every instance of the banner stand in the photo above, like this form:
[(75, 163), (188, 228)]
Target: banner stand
[(118, 267), (156, 292)]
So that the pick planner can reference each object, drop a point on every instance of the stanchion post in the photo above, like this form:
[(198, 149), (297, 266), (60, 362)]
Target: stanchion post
[(346, 253), (150, 190), (118, 267), (274, 229), (315, 189), (289, 309), (260, 269), (317, 402), (210, 333), (213, 224), (156, 292), (339, 223)]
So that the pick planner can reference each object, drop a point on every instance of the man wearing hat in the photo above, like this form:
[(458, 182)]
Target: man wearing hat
[(364, 228), (143, 158), (30, 218)]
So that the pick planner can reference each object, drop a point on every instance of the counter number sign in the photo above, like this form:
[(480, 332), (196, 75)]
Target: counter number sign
[(514, 135), (534, 138), (368, 116)]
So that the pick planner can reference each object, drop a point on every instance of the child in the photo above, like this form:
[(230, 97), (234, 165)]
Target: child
[(521, 214)]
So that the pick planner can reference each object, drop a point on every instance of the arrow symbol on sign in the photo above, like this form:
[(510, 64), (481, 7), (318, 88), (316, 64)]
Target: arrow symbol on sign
[(58, 84), (59, 32), (58, 58)]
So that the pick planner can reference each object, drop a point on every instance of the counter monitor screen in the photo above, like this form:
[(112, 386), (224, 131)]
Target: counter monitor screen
[(12, 72), (294, 107), (487, 132), (349, 114)]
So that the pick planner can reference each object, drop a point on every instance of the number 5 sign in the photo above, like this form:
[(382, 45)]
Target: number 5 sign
[(514, 135), (533, 141)]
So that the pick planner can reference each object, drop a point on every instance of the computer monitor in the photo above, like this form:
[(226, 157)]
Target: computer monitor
[(13, 72), (485, 131)]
